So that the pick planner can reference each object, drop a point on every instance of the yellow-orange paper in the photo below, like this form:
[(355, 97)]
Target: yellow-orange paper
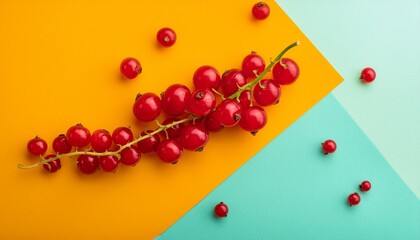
[(59, 65)]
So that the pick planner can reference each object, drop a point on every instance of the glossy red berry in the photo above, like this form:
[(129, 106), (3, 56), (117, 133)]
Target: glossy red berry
[(245, 99), (368, 75), (329, 146), (194, 137), (147, 107), (87, 164), (206, 77), (221, 210), (101, 140), (37, 146), (212, 123), (174, 131), (130, 68), (365, 186), (228, 113), (253, 119), (122, 136), (261, 10), (130, 156), (266, 93), (175, 99), (202, 102), (231, 81), (149, 144), (108, 163), (78, 136), (166, 37), (285, 73), (253, 65), (61, 144), (169, 150), (353, 199), (52, 166)]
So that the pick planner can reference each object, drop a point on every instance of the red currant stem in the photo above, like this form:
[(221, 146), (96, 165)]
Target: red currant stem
[(266, 70), (108, 153), (218, 93)]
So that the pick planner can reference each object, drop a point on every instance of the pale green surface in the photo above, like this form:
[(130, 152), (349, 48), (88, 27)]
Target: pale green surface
[(291, 190), (383, 34)]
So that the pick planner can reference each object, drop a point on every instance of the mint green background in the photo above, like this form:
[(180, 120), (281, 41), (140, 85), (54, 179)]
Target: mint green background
[(291, 190), (384, 34)]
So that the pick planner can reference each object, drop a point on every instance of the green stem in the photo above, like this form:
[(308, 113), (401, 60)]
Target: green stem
[(115, 153), (266, 70)]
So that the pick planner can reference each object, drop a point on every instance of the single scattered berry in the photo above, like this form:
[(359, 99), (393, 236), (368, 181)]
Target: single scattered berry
[(228, 113), (130, 156), (87, 164), (169, 150), (174, 131), (194, 137), (285, 73), (260, 10), (253, 65), (52, 166), (206, 77), (329, 146), (221, 210), (212, 123), (253, 119), (231, 81), (108, 163), (365, 186), (61, 144), (266, 93), (37, 146), (149, 144), (122, 136), (353, 199), (101, 140), (166, 37), (368, 75), (147, 107), (130, 68), (175, 99), (202, 102), (78, 136)]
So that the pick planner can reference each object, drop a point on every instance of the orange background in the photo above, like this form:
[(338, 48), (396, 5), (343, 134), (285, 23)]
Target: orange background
[(59, 65)]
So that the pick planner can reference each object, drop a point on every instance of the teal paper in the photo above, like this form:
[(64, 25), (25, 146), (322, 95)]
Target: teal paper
[(291, 190)]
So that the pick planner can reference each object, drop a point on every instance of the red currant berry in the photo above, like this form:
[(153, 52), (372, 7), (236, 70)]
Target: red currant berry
[(169, 150), (368, 75), (221, 210), (266, 93), (108, 163), (175, 99), (365, 186), (147, 107), (285, 73), (149, 144), (228, 113), (122, 136), (87, 164), (130, 68), (202, 102), (212, 123), (261, 10), (245, 99), (253, 65), (174, 131), (194, 137), (329, 146), (37, 146), (166, 37), (61, 144), (130, 156), (231, 81), (78, 136), (52, 166), (353, 199), (101, 140), (253, 119), (206, 77)]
